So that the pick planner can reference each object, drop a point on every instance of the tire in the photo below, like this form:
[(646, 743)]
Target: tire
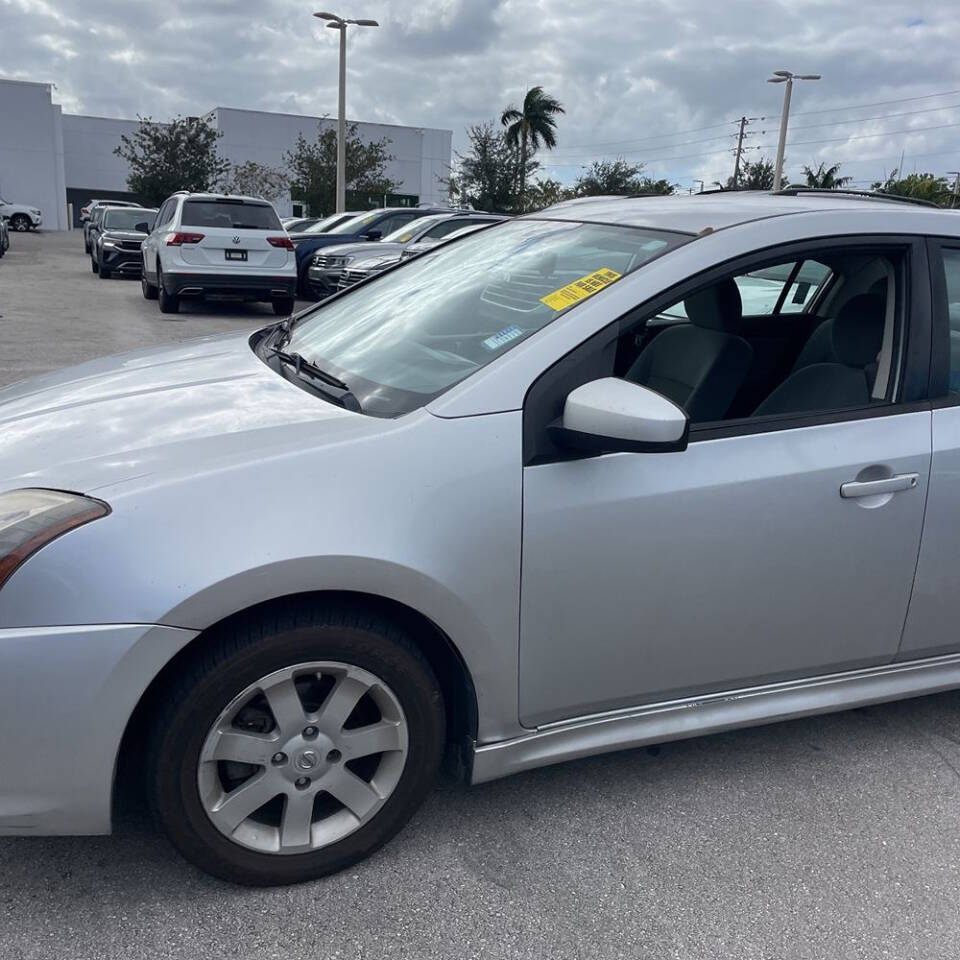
[(283, 308), (303, 283), (169, 303), (20, 222), (351, 645), (94, 266), (86, 247), (105, 273), (147, 288)]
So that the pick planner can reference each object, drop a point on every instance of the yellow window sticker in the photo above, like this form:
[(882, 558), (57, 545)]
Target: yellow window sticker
[(580, 289)]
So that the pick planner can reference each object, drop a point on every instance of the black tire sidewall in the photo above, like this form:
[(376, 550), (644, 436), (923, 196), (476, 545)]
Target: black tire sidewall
[(175, 794)]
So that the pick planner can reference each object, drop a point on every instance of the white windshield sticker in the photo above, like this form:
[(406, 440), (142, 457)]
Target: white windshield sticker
[(503, 337)]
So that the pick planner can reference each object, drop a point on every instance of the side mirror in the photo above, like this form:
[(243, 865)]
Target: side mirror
[(373, 234), (612, 416), (142, 227)]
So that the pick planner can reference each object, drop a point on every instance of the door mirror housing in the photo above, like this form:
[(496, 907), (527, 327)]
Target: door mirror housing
[(373, 234), (612, 416)]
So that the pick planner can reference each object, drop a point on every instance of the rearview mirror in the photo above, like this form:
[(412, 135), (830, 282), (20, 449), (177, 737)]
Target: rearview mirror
[(612, 415), (142, 227), (373, 234)]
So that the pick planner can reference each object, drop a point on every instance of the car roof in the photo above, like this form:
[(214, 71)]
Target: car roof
[(222, 196), (694, 213)]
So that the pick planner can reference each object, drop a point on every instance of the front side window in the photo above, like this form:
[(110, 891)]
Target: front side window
[(445, 228), (229, 214), (358, 224), (405, 337), (405, 231)]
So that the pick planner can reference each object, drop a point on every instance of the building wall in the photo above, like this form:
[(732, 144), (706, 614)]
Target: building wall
[(88, 157), (31, 150), (44, 155), (420, 154)]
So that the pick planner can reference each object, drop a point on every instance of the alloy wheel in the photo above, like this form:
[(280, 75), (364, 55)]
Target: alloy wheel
[(303, 757)]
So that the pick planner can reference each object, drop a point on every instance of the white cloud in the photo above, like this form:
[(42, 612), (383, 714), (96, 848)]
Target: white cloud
[(641, 79)]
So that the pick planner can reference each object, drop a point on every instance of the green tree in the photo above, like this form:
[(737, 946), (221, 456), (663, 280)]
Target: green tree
[(485, 177), (165, 157), (753, 176), (618, 178), (825, 178), (545, 193), (921, 186), (529, 128), (254, 179), (313, 168)]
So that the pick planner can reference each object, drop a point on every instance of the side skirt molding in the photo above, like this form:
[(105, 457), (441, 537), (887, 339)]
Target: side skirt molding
[(713, 713)]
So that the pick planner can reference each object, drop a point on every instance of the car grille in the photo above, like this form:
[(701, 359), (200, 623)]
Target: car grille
[(130, 244), (325, 262), (349, 277), (519, 291)]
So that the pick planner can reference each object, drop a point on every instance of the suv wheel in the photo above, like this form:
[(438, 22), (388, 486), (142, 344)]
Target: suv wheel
[(284, 307), (169, 302), (105, 272), (295, 745), (94, 266), (20, 222), (147, 288), (86, 246)]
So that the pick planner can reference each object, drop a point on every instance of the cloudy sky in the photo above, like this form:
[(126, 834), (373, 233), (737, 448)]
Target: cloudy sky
[(653, 81)]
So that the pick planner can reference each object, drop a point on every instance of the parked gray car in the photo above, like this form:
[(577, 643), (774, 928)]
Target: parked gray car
[(502, 504)]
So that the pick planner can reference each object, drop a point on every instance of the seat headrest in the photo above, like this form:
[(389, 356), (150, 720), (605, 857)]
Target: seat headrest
[(717, 307), (858, 329)]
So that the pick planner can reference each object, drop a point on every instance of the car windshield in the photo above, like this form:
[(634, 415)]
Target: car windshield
[(404, 233), (327, 224), (358, 224), (126, 218), (403, 338), (230, 214)]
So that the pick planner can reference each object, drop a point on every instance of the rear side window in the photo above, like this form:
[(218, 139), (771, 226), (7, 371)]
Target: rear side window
[(951, 266), (229, 214)]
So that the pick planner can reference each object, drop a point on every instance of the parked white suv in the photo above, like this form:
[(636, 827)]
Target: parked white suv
[(21, 216), (211, 245)]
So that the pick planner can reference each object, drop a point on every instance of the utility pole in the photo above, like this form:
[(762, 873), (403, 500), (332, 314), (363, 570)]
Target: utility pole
[(736, 162), (956, 186)]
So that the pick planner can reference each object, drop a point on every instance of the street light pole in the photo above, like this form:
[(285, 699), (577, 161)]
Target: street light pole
[(785, 76), (340, 23)]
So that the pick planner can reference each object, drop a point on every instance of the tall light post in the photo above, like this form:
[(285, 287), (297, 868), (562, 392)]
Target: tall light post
[(340, 23), (785, 76)]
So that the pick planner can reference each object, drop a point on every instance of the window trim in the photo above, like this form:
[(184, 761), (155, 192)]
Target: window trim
[(915, 357)]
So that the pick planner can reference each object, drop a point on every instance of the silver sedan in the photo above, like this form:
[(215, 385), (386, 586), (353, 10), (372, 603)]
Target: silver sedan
[(620, 472)]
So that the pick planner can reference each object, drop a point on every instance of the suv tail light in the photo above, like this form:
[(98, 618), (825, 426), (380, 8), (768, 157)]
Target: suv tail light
[(180, 238), (284, 242)]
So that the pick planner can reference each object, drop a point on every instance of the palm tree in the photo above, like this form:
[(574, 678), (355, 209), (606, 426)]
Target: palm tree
[(530, 128), (825, 178)]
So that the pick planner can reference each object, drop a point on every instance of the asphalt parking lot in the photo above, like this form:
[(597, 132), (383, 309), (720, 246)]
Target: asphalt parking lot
[(832, 837)]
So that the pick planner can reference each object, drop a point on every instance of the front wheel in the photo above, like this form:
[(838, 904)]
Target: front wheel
[(20, 222), (94, 266), (105, 273), (291, 747), (148, 290)]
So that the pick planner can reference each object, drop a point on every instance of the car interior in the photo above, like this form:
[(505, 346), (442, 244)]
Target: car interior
[(797, 337)]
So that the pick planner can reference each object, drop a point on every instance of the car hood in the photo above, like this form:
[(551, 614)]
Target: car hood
[(205, 403), (369, 249), (123, 235)]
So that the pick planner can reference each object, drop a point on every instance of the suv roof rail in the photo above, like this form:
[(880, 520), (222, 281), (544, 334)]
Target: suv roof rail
[(796, 191)]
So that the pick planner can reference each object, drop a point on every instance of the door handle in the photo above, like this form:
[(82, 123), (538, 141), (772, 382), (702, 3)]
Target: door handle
[(873, 488)]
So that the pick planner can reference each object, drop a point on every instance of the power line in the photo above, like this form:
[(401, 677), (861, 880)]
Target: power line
[(805, 113)]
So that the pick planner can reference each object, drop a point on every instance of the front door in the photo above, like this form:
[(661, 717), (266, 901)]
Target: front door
[(655, 576)]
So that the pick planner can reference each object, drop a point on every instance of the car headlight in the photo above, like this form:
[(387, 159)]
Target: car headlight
[(36, 212), (31, 518), (109, 242)]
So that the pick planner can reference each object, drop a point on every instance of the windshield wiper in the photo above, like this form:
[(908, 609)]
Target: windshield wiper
[(304, 368)]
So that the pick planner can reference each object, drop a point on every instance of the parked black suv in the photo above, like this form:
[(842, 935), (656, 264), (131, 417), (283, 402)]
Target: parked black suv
[(120, 234)]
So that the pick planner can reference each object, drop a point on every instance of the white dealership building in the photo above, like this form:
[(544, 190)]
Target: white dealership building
[(49, 158)]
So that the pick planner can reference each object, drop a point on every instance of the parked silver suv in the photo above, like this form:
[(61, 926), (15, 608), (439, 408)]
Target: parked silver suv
[(544, 492)]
